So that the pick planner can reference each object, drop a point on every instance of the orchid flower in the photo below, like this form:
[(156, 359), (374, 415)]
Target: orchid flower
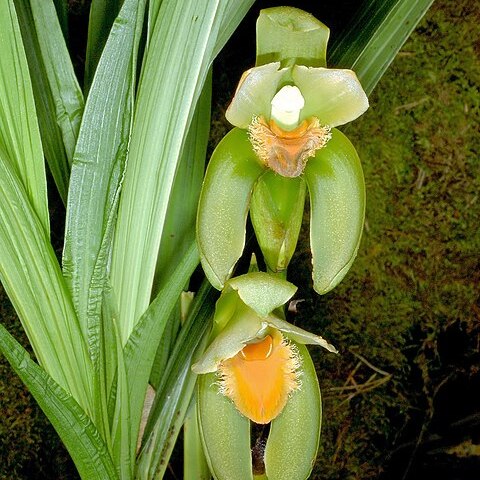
[(258, 364), (285, 113)]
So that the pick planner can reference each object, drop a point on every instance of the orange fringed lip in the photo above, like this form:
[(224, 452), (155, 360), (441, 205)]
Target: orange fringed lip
[(286, 152), (260, 378)]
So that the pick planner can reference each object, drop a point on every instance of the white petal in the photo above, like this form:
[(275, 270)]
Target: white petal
[(334, 96), (254, 93), (238, 332)]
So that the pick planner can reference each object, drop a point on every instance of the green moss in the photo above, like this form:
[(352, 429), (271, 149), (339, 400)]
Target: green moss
[(414, 281)]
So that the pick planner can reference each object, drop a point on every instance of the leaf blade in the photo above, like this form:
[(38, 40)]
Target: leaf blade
[(77, 432), (97, 171), (20, 136), (63, 83), (50, 132), (33, 280), (187, 32), (375, 37)]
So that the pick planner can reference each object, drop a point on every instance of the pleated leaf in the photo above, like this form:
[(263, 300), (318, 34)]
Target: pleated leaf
[(176, 64), (139, 352), (179, 229), (100, 21), (19, 133), (98, 168), (30, 273), (175, 391), (77, 432), (52, 141), (375, 36), (66, 92)]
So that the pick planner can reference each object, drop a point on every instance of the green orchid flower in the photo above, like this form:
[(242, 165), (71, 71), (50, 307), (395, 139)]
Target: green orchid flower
[(285, 111), (257, 369)]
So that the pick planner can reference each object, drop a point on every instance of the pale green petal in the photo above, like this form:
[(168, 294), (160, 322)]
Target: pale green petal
[(245, 327), (223, 205), (262, 292), (255, 90), (337, 210), (298, 334), (334, 96), (225, 433), (294, 435), (224, 309)]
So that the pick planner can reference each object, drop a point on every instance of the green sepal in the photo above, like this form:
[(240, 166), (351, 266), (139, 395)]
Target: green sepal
[(295, 434), (276, 212), (224, 203), (291, 36), (337, 201), (262, 292), (224, 431)]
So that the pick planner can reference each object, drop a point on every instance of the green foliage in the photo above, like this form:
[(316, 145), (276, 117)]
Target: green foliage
[(414, 279)]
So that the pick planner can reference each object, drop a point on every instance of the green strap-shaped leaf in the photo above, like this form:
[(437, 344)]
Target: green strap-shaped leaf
[(375, 36), (33, 280), (19, 133), (175, 391), (139, 352), (179, 229), (98, 168), (225, 432), (337, 202), (52, 141), (77, 432), (61, 6), (62, 81), (177, 60), (100, 21), (295, 434), (123, 443), (224, 203), (232, 15)]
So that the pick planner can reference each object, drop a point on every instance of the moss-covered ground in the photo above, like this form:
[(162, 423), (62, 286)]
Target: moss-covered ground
[(402, 400), (404, 395)]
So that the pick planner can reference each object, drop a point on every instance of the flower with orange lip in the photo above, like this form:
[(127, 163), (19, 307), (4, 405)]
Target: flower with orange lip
[(285, 142), (257, 369), (254, 351)]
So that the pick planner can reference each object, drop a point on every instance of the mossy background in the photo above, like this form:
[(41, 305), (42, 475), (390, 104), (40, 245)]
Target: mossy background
[(402, 400)]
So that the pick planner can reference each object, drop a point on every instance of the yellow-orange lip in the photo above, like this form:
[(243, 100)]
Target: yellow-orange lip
[(260, 378), (286, 152)]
